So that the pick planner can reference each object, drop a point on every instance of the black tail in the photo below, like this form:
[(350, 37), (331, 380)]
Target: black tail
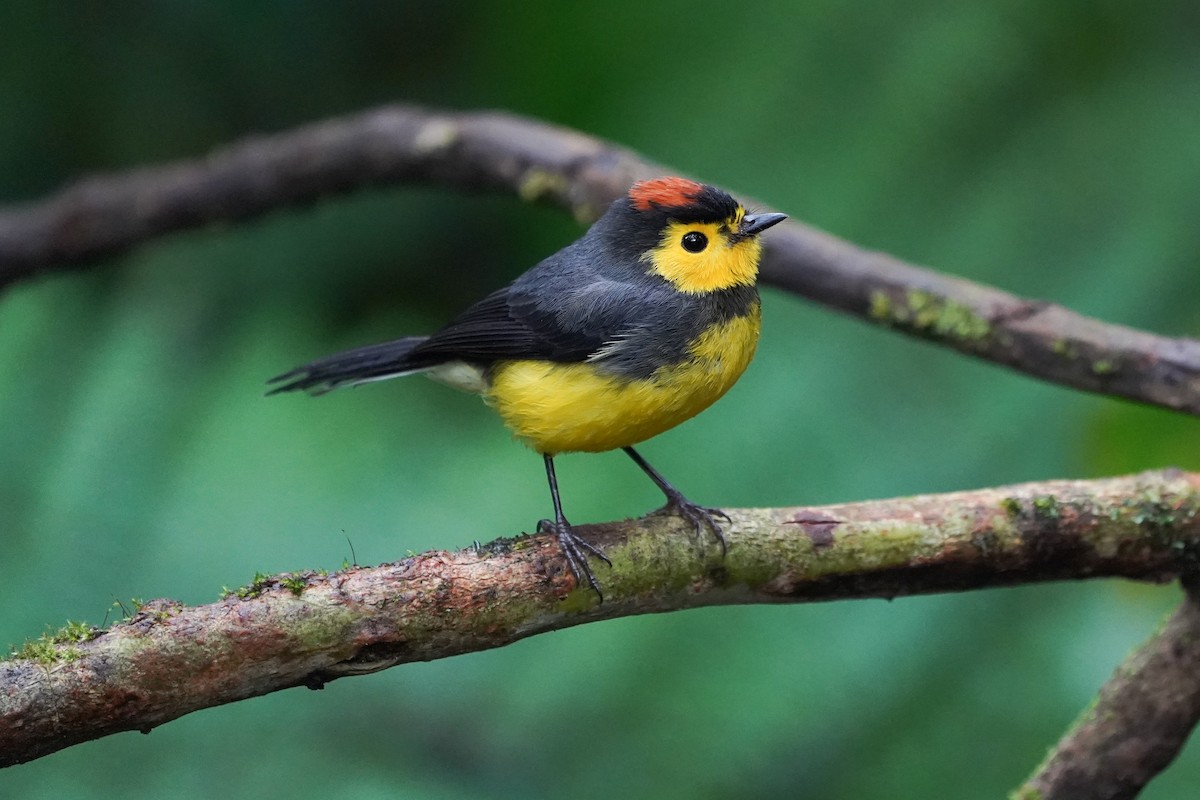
[(372, 363)]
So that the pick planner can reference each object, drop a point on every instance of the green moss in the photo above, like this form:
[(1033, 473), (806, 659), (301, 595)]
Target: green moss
[(948, 318), (881, 306), (1064, 348), (580, 599), (931, 314), (73, 632), (537, 183), (1151, 509), (39, 650), (294, 584), (638, 566), (879, 546), (256, 587), (860, 547), (1103, 367), (69, 654), (57, 646), (1046, 506), (322, 631), (166, 612), (128, 612), (1157, 517), (1011, 506), (435, 135)]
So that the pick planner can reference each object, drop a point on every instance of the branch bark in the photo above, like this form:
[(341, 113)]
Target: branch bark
[(1138, 724), (499, 152), (305, 629)]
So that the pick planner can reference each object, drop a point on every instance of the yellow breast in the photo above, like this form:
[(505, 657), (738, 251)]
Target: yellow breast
[(557, 408)]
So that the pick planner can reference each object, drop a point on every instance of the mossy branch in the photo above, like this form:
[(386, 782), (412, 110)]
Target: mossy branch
[(305, 629), (536, 161)]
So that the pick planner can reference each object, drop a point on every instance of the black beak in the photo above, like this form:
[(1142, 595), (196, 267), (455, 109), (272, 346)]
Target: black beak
[(754, 224)]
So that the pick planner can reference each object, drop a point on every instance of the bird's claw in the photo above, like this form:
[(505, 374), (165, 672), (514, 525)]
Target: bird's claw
[(575, 550), (700, 518)]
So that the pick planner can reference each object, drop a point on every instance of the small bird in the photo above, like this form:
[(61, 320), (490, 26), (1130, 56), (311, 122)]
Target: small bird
[(638, 325)]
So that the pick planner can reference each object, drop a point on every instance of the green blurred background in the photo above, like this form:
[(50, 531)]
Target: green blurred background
[(1048, 149)]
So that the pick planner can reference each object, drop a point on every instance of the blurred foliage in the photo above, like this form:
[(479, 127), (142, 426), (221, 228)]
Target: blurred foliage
[(1049, 149)]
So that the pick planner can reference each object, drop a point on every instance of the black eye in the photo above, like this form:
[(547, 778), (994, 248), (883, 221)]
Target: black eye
[(694, 241)]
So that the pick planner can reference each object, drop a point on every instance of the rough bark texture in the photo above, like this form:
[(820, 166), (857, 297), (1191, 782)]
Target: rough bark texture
[(500, 152), (1137, 725), (305, 629)]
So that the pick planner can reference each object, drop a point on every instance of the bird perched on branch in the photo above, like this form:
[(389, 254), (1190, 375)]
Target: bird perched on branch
[(638, 325)]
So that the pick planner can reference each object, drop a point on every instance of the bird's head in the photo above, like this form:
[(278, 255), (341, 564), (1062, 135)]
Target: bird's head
[(695, 236)]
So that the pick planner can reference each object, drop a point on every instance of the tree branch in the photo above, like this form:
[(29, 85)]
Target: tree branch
[(493, 151), (306, 629), (1139, 723)]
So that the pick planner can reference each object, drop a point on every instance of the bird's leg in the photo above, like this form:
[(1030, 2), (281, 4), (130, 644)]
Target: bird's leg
[(699, 516), (572, 545)]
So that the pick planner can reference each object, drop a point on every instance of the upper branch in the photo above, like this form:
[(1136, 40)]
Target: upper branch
[(493, 151), (306, 629)]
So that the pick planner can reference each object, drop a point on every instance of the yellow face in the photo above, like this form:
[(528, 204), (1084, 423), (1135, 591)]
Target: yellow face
[(701, 257)]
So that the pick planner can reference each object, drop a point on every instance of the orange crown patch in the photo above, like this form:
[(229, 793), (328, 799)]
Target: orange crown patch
[(664, 193)]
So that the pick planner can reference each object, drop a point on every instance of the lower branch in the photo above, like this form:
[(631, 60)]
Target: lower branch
[(1137, 725), (304, 629)]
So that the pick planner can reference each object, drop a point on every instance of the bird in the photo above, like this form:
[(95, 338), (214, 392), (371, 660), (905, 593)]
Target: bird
[(638, 325)]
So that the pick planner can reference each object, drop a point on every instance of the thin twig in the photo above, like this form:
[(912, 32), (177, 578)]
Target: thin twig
[(306, 629), (500, 152), (1138, 724)]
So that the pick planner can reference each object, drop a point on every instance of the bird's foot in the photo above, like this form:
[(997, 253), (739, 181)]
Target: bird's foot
[(699, 517), (575, 550)]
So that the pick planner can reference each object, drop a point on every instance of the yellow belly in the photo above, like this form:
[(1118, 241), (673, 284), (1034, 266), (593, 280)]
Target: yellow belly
[(557, 408)]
